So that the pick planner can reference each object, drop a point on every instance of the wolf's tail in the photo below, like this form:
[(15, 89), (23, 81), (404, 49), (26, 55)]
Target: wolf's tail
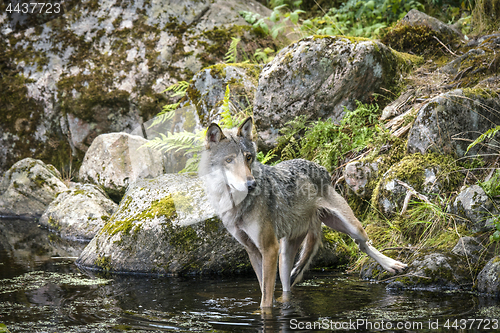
[(310, 246)]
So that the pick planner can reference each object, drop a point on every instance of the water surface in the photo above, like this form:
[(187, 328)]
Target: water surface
[(42, 290)]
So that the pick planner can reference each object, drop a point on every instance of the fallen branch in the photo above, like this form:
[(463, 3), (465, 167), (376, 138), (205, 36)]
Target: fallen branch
[(411, 192), (408, 275), (445, 46)]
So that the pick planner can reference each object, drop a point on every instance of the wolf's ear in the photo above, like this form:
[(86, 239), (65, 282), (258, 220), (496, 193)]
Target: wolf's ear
[(214, 134), (245, 130)]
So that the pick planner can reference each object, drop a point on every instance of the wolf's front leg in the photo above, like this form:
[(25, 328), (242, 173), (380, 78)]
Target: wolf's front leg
[(269, 248)]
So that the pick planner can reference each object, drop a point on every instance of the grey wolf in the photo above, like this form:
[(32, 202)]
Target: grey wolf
[(274, 211)]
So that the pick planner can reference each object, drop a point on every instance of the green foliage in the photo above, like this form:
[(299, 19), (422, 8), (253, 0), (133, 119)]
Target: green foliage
[(492, 186), (325, 142), (232, 53), (279, 18), (360, 18), (189, 143), (179, 90), (486, 135)]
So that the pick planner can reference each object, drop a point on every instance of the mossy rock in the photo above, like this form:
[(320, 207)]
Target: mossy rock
[(429, 174), (448, 123), (79, 213), (207, 88), (165, 226), (28, 187), (417, 33), (436, 271), (103, 66), (320, 75)]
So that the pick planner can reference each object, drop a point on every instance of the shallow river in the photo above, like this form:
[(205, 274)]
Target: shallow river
[(42, 290)]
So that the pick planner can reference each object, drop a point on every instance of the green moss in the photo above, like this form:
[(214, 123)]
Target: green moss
[(411, 170), (53, 223), (104, 263), (416, 39), (159, 208)]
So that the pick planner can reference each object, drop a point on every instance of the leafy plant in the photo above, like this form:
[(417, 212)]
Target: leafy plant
[(232, 54), (179, 90), (325, 142), (486, 135)]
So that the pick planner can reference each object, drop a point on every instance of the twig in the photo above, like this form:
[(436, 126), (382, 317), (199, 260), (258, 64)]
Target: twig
[(411, 192), (408, 274), (398, 248), (445, 46), (64, 258)]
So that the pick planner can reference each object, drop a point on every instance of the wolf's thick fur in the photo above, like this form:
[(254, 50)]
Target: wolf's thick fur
[(273, 211)]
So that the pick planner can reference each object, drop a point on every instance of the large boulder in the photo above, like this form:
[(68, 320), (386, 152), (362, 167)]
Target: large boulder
[(449, 122), (28, 187), (165, 226), (79, 213), (435, 271), (207, 88), (469, 248), (116, 160), (427, 271), (474, 208), (102, 67), (320, 75), (416, 18), (488, 280), (429, 175)]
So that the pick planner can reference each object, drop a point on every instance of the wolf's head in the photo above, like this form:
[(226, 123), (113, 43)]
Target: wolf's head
[(226, 163)]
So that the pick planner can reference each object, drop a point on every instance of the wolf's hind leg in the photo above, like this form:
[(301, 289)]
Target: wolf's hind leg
[(288, 250), (309, 248), (337, 214)]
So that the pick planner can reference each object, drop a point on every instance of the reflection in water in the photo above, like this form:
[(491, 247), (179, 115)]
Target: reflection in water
[(41, 290)]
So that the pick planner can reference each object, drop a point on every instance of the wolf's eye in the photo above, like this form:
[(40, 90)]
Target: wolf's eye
[(249, 158), (229, 160)]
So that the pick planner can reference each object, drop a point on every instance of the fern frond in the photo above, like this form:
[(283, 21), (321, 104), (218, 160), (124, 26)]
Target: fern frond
[(165, 115), (486, 135), (178, 89), (232, 54), (187, 141)]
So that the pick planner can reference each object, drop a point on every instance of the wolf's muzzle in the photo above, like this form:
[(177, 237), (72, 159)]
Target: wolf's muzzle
[(251, 184)]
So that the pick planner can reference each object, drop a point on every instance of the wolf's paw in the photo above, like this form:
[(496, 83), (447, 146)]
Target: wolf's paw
[(394, 266)]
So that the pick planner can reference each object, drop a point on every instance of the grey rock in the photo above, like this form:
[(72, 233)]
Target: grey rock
[(79, 213), (28, 187), (420, 173), (165, 226), (449, 122), (318, 77), (207, 88), (116, 160), (475, 208), (358, 175), (417, 18), (470, 248), (102, 67), (435, 271), (488, 280)]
